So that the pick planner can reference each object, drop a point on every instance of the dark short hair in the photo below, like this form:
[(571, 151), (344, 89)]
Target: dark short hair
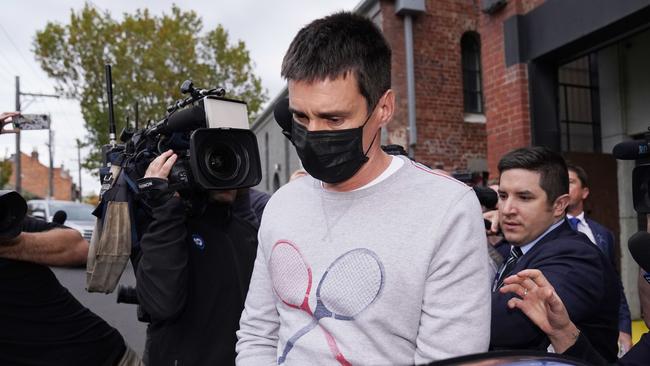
[(582, 175), (338, 45), (554, 176)]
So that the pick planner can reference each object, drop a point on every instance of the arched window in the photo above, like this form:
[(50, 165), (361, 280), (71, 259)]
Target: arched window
[(470, 45)]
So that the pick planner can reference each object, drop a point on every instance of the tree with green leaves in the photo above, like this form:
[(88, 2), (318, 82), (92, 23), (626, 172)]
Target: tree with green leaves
[(5, 172), (151, 56)]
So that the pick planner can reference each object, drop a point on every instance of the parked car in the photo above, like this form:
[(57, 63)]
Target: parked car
[(79, 215)]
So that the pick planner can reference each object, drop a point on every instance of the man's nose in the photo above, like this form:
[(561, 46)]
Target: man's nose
[(507, 206)]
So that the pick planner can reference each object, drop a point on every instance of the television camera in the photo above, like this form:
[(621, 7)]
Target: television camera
[(638, 150), (639, 243), (215, 150), (210, 135)]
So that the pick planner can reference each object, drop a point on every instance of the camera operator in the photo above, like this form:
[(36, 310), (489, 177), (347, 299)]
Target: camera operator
[(249, 205), (193, 274), (42, 323)]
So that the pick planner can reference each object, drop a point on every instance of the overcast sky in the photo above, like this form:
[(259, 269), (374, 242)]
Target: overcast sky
[(266, 27)]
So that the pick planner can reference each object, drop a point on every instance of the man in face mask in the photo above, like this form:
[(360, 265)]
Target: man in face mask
[(371, 259)]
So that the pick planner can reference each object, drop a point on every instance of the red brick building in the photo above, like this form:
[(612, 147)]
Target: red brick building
[(494, 75), (35, 179), (444, 135)]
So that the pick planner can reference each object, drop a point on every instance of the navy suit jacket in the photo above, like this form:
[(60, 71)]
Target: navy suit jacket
[(639, 354), (604, 238), (605, 241), (582, 277)]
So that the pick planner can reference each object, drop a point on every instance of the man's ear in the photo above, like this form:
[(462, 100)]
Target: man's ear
[(386, 107), (585, 193), (560, 205)]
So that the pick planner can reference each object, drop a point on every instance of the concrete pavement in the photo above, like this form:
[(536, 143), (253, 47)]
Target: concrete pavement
[(123, 317)]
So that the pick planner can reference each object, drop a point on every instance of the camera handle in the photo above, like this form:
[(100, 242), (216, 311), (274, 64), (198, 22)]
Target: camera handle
[(195, 94)]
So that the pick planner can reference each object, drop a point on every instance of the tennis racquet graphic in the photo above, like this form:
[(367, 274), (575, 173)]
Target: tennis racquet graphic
[(349, 285)]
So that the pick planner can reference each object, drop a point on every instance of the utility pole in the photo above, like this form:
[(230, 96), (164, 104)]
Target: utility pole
[(17, 156), (79, 161), (51, 173), (18, 187)]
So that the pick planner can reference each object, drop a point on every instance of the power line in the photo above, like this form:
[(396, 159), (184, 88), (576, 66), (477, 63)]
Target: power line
[(36, 76), (62, 109), (6, 72), (17, 49), (9, 63), (6, 76)]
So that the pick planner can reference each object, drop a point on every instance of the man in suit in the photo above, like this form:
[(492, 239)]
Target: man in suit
[(533, 197), (602, 237)]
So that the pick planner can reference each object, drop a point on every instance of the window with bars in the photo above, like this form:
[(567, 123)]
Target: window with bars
[(579, 107), (470, 45)]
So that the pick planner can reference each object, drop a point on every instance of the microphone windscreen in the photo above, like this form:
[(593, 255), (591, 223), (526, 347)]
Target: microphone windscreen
[(639, 246), (59, 217), (282, 115), (631, 150)]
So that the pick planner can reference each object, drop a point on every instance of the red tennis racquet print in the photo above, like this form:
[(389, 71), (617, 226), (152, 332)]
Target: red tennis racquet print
[(349, 285)]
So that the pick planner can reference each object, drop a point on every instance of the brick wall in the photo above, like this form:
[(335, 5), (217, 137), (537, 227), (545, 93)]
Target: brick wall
[(443, 136), (35, 179), (507, 107)]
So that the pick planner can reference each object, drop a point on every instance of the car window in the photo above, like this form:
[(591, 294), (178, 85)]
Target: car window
[(74, 211), (36, 207)]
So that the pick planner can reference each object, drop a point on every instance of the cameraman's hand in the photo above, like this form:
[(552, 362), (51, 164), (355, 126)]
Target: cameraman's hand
[(161, 166)]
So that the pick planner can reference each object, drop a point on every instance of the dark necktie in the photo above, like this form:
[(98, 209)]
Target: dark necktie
[(573, 221), (507, 267)]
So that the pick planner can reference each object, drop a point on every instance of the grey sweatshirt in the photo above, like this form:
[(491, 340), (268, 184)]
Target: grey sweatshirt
[(392, 274)]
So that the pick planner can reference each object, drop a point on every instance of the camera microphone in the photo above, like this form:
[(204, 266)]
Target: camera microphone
[(639, 246), (631, 150), (183, 120)]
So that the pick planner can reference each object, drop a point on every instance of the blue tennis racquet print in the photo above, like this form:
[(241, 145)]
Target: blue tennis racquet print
[(349, 285)]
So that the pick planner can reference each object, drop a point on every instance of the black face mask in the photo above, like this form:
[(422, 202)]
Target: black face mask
[(330, 156)]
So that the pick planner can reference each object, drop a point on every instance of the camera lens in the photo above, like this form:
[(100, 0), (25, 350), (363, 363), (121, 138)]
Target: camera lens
[(224, 158), (222, 162)]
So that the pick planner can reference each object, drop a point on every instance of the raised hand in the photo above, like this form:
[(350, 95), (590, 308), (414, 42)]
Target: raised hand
[(537, 298)]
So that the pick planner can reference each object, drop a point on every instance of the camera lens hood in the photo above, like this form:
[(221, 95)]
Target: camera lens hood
[(224, 158)]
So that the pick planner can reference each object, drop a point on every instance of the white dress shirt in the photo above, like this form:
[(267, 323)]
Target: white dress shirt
[(583, 227)]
